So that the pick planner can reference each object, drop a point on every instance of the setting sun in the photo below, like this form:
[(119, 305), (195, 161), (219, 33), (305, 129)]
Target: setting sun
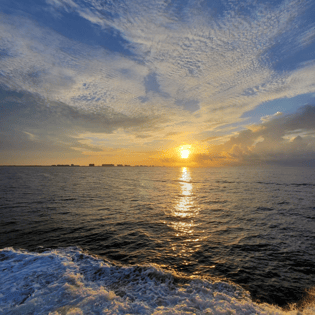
[(184, 153)]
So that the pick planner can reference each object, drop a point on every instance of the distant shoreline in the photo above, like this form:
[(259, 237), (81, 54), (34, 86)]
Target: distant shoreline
[(80, 166)]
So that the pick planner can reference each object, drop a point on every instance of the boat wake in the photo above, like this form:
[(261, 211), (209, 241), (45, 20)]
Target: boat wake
[(69, 281)]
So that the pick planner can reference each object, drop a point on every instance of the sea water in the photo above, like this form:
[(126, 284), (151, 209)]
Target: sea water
[(157, 240)]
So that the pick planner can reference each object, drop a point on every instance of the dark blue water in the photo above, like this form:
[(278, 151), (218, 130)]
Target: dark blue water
[(235, 230)]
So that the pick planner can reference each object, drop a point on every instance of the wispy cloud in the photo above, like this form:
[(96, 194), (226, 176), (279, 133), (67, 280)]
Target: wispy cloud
[(270, 117), (31, 136)]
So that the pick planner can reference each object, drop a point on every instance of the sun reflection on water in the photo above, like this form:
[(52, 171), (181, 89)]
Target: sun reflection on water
[(185, 204), (183, 222)]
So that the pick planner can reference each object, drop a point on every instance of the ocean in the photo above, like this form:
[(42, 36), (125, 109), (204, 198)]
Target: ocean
[(157, 240)]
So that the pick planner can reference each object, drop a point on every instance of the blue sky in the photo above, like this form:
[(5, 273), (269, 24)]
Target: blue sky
[(131, 81)]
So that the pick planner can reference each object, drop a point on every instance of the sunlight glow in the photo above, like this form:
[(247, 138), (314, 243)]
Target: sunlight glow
[(184, 153)]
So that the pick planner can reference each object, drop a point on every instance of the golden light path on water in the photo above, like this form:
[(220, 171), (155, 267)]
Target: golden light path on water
[(184, 213)]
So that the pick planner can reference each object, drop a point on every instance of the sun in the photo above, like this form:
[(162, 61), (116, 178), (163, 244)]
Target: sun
[(184, 153)]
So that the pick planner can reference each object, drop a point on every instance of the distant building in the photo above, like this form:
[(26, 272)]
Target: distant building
[(63, 165), (91, 165), (108, 165), (127, 165), (119, 165)]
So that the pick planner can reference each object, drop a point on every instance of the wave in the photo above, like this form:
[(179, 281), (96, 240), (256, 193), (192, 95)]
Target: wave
[(70, 281)]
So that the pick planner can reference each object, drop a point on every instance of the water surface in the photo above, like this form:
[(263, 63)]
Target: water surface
[(235, 226)]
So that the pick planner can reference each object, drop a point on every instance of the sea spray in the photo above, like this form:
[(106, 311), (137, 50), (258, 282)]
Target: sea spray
[(70, 281)]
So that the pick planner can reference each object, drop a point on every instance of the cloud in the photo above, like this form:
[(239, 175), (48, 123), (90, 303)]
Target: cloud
[(31, 136), (27, 123), (286, 139), (270, 117), (308, 36), (215, 62), (188, 47), (191, 70)]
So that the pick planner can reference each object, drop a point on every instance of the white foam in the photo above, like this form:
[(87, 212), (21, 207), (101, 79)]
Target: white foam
[(67, 281)]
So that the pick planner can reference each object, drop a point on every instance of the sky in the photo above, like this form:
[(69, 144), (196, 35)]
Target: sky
[(138, 81)]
